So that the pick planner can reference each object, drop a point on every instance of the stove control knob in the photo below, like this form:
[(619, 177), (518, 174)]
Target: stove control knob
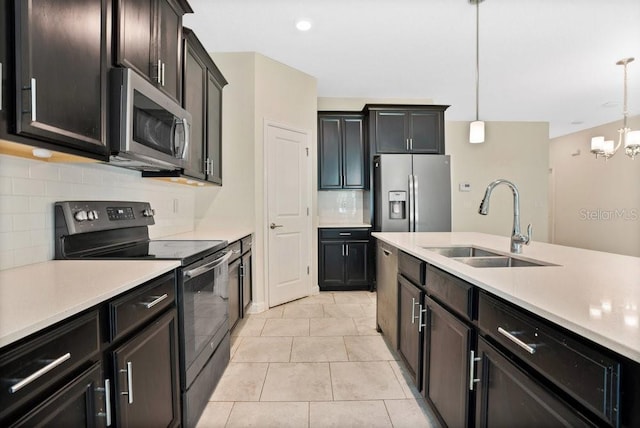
[(81, 216), (149, 212), (92, 215)]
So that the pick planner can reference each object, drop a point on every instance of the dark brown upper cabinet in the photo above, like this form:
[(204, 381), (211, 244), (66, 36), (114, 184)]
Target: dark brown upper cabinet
[(406, 128), (149, 40), (59, 77), (342, 152), (203, 83)]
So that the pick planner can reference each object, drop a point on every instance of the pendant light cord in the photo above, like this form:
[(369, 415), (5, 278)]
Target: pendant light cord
[(477, 58)]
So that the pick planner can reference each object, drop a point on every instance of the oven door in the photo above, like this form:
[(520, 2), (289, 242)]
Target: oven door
[(203, 312)]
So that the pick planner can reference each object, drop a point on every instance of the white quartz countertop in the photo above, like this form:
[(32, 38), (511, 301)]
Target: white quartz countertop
[(592, 293), (37, 296), (229, 234), (342, 225)]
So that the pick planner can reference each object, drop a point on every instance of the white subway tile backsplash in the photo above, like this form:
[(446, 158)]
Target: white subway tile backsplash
[(10, 204), (25, 186), (28, 190), (6, 223), (44, 171)]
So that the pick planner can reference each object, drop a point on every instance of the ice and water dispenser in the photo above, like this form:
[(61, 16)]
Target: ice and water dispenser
[(397, 204)]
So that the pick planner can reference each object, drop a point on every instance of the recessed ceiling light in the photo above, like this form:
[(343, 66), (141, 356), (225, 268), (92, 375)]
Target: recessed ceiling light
[(303, 25)]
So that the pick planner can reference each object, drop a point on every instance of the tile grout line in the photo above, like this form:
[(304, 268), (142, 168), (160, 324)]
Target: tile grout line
[(226, 422)]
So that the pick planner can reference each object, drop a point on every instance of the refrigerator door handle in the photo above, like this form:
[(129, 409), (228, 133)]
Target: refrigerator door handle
[(411, 204), (416, 202)]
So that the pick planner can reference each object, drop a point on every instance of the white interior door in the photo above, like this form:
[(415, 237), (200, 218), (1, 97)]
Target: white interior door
[(288, 199)]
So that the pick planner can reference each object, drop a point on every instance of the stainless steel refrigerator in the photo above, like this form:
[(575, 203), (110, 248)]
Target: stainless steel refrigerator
[(412, 193)]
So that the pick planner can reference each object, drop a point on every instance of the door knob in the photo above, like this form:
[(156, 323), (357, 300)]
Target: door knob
[(273, 225)]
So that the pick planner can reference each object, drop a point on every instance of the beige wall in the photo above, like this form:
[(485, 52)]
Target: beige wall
[(356, 104), (516, 151), (233, 204), (595, 204), (260, 89)]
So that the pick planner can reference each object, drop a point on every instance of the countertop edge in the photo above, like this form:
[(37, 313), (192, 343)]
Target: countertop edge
[(444, 263)]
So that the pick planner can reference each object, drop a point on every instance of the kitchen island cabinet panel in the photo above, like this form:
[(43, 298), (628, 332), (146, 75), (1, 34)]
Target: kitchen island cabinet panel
[(509, 397), (410, 334)]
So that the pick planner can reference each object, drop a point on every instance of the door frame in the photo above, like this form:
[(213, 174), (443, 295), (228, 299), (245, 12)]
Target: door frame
[(265, 202)]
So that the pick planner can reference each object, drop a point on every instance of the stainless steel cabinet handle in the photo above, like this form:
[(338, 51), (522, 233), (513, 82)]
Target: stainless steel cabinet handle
[(345, 233), (530, 349), (472, 375), (413, 310), (33, 99), (407, 141), (35, 375), (156, 300), (107, 401), (159, 72), (346, 246), (129, 391), (420, 324), (273, 225), (410, 143), (162, 75)]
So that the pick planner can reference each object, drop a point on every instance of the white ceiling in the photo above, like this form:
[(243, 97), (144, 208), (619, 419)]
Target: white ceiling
[(540, 60)]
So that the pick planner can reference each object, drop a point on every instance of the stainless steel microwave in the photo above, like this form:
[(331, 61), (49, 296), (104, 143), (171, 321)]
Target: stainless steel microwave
[(150, 131)]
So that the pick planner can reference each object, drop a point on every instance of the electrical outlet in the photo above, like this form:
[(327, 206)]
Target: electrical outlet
[(464, 187)]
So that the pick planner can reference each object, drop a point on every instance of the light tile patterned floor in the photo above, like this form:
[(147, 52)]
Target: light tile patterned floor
[(317, 362)]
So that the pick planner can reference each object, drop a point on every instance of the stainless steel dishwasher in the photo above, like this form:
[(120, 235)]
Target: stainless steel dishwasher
[(387, 292)]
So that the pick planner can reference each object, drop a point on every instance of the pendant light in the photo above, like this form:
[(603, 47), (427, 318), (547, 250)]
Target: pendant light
[(476, 128)]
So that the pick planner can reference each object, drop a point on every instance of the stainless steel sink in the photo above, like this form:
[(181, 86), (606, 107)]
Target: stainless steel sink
[(498, 262), (463, 251)]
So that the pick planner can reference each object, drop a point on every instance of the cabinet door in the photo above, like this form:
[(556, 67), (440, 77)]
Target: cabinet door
[(234, 293), (509, 397), (426, 132), (330, 153), (77, 404), (59, 97), (146, 377), (169, 35), (214, 128), (331, 265), (357, 263), (194, 101), (410, 337), (354, 154), (391, 132), (446, 357), (246, 282), (135, 29)]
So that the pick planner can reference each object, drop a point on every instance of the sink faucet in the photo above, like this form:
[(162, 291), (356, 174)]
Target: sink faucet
[(517, 238)]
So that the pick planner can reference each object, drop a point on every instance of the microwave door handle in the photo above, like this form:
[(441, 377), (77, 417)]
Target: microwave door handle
[(179, 150)]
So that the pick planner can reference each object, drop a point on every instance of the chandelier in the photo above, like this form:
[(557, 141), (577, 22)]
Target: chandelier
[(631, 139)]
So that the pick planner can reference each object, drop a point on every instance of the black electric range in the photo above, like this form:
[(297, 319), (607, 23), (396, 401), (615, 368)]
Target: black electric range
[(119, 230)]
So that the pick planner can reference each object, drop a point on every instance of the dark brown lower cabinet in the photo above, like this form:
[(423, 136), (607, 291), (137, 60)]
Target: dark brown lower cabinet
[(508, 397), (146, 376), (77, 404), (234, 292), (447, 353), (409, 324)]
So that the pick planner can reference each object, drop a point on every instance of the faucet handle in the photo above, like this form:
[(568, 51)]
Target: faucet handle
[(529, 234)]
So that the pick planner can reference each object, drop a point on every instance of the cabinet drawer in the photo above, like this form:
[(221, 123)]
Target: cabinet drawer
[(452, 292), (412, 268), (136, 307), (38, 364), (345, 234), (246, 243), (584, 372)]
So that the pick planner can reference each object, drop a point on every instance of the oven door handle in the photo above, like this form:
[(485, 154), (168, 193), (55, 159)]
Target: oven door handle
[(192, 273)]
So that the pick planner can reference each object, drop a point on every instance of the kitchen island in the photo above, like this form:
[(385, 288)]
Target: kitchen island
[(553, 343)]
